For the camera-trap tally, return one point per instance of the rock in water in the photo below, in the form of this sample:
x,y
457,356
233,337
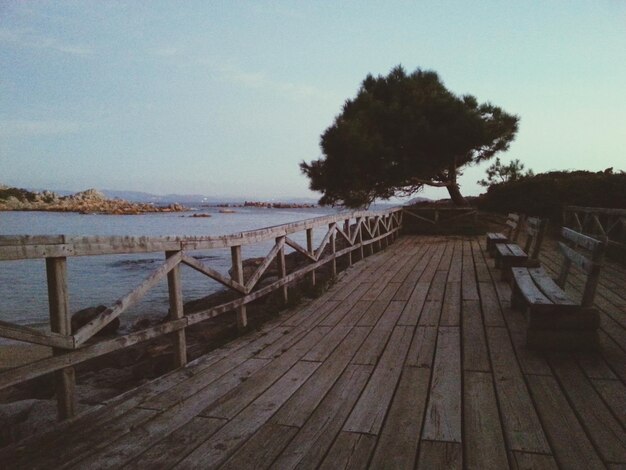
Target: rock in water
x,y
84,316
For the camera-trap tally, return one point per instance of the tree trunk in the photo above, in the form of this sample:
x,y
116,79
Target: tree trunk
x,y
456,195
453,188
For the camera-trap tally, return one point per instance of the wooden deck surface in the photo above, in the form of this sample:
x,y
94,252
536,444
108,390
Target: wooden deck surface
x,y
413,359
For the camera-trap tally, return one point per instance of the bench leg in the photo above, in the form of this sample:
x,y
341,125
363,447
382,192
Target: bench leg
x,y
517,300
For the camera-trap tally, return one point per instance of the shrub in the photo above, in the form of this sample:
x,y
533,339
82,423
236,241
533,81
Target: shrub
x,y
546,194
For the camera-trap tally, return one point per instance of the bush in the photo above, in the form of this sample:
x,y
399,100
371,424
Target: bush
x,y
546,194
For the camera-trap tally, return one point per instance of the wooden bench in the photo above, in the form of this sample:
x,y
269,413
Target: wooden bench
x,y
509,255
514,224
554,319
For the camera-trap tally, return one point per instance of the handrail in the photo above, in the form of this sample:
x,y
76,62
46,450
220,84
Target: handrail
x,y
598,221
362,229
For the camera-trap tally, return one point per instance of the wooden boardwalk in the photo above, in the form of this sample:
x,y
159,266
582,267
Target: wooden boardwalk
x,y
413,359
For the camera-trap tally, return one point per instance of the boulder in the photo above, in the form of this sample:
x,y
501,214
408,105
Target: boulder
x,y
84,316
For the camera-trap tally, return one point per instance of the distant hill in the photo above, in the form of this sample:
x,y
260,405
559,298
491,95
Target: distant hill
x,y
187,199
417,200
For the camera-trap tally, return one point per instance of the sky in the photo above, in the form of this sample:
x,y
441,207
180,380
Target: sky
x,y
226,98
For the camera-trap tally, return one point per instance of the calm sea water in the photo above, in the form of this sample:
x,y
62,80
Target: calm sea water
x,y
96,280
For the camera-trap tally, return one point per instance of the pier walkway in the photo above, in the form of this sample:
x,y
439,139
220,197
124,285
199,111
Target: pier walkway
x,y
412,359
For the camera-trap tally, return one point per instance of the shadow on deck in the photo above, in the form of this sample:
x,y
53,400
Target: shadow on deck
x,y
413,359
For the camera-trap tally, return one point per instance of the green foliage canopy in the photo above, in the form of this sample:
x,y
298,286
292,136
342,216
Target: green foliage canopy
x,y
500,173
545,194
403,131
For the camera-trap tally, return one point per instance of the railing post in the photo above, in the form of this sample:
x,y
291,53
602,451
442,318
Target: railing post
x,y
387,233
309,247
237,262
282,267
60,322
346,230
369,226
333,248
175,290
359,224
377,225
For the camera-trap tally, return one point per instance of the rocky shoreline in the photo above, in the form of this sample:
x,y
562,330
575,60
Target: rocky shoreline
x,y
90,201
266,205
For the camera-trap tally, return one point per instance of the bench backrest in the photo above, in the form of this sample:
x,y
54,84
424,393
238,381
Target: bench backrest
x,y
590,266
535,230
514,223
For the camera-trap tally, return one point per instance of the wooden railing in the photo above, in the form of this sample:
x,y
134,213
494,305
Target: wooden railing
x,y
359,231
440,215
610,223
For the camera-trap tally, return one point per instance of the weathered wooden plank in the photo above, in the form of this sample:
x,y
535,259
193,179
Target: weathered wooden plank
x,y
230,404
58,303
300,249
613,393
526,461
475,355
308,447
594,366
156,429
468,275
437,286
422,350
222,444
451,310
572,448
23,247
78,445
430,313
311,252
353,301
530,361
269,258
525,286
443,415
111,313
482,271
354,314
262,448
579,239
175,293
67,434
437,454
324,348
492,312
31,335
549,287
601,426
222,376
580,261
302,404
484,445
374,344
167,452
399,438
369,412
415,304
350,451
213,274
521,423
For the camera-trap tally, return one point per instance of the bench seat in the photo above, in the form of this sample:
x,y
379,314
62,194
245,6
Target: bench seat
x,y
509,255
555,321
494,238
